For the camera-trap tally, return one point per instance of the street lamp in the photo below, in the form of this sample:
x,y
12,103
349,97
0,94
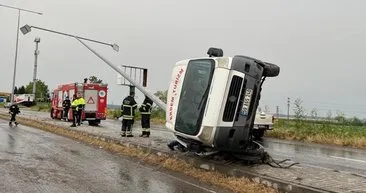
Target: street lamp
x,y
27,28
16,46
126,76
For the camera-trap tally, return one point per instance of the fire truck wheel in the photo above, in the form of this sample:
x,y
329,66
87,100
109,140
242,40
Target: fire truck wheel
x,y
270,70
93,123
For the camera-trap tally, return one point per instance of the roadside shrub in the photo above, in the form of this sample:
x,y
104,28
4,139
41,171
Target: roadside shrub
x,y
43,107
114,113
158,115
320,132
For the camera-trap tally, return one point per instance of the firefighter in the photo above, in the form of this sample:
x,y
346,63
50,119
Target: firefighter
x,y
66,105
145,110
128,108
81,105
13,111
74,106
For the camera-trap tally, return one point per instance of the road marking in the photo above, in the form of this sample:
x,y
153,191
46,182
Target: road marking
x,y
349,159
314,166
195,185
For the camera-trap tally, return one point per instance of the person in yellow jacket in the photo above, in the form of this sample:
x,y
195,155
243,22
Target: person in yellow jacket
x,y
80,107
74,108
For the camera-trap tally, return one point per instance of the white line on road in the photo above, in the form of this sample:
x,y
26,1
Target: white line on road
x,y
349,159
195,185
314,166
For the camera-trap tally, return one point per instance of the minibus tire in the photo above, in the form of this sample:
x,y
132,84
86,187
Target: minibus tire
x,y
270,70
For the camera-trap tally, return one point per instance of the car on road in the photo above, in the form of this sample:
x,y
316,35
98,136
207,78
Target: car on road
x,y
262,123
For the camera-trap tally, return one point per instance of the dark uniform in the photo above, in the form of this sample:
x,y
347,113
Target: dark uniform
x,y
128,108
13,111
66,104
145,110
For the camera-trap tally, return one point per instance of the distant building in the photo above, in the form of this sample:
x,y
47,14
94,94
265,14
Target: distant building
x,y
4,94
4,97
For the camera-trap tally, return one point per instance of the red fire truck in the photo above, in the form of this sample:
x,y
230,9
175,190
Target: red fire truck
x,y
95,95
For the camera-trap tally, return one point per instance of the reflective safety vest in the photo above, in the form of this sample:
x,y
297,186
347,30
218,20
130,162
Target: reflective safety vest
x,y
145,108
128,108
81,103
74,105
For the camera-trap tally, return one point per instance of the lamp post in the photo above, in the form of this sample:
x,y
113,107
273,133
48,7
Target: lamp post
x,y
160,103
16,45
36,52
27,28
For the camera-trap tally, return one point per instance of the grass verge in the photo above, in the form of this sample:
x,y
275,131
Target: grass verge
x,y
157,115
324,133
42,107
234,184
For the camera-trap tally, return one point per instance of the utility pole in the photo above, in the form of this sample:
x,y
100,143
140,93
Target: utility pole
x,y
277,111
16,46
36,52
288,108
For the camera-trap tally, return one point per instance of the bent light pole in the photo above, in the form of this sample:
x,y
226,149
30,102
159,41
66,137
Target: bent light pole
x,y
27,28
160,103
16,46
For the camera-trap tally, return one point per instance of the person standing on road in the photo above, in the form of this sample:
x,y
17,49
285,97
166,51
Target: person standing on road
x,y
66,104
74,106
13,111
81,105
145,110
128,108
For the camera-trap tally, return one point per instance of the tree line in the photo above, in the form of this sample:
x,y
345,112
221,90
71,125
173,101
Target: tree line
x,y
42,91
300,114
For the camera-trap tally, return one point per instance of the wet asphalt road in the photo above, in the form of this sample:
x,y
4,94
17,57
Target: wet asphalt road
x,y
329,157
32,160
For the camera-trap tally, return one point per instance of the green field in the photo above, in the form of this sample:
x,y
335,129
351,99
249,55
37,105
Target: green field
x,y
320,132
157,115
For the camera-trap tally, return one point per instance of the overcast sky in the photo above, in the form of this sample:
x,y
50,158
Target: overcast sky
x,y
317,43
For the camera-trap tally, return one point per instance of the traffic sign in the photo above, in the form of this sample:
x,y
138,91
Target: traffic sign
x,y
91,100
